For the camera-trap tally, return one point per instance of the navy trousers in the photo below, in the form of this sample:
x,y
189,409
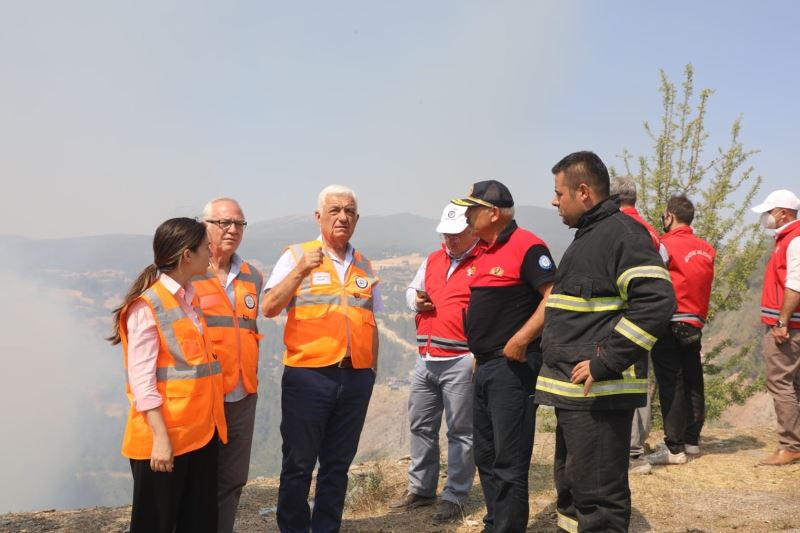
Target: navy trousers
x,y
323,412
504,422
591,470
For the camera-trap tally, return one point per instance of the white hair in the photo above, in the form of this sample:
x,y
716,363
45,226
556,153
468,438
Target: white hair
x,y
210,205
335,190
625,187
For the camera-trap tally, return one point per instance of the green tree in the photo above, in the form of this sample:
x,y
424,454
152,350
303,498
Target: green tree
x,y
722,185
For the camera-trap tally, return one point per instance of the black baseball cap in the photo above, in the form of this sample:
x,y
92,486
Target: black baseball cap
x,y
489,193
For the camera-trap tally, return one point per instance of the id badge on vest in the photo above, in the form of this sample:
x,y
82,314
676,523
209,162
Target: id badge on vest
x,y
320,278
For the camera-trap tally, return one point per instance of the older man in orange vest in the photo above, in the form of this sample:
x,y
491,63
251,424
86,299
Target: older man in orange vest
x,y
229,298
329,292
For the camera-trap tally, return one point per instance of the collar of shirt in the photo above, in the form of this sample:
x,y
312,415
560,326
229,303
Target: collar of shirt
x,y
504,235
785,227
235,268
176,289
348,254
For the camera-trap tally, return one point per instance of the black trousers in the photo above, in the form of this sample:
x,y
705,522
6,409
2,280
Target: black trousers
x,y
184,500
323,412
679,374
591,470
504,422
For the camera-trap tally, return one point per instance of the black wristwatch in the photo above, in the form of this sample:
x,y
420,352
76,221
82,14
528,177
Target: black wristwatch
x,y
780,323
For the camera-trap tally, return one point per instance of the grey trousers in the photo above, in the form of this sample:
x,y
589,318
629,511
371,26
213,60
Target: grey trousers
x,y
440,386
642,422
234,459
782,363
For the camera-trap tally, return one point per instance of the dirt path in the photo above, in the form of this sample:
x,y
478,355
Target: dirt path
x,y
720,491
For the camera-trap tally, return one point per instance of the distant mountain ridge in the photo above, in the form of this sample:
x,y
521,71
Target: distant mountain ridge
x,y
378,236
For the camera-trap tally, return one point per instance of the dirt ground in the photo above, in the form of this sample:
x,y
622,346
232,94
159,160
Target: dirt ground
x,y
722,490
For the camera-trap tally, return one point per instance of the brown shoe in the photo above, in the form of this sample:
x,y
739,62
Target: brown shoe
x,y
780,458
447,511
409,500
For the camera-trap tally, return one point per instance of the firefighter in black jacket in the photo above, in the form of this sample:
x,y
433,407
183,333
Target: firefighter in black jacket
x,y
611,300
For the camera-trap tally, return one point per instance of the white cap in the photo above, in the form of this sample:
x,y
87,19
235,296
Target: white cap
x,y
779,198
453,220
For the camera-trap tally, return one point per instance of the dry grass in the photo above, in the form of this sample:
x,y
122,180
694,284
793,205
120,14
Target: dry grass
x,y
720,491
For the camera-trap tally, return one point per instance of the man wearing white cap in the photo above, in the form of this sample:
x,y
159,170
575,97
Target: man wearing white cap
x,y
780,311
442,378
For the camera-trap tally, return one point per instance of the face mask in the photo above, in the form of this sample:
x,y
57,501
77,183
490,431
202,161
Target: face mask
x,y
768,221
666,227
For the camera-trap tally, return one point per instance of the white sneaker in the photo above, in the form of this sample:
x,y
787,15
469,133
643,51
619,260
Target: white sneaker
x,y
666,457
691,449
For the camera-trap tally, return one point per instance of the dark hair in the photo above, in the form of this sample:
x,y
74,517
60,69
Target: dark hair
x,y
172,238
681,208
584,167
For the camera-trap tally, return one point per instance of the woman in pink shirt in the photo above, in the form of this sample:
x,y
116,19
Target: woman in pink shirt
x,y
174,386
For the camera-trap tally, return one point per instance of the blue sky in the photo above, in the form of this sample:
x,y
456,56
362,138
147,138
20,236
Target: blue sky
x,y
115,116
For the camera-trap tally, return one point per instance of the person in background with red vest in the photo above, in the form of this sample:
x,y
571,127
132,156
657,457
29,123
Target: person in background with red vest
x,y
511,282
780,312
330,294
228,294
174,386
676,355
624,187
442,378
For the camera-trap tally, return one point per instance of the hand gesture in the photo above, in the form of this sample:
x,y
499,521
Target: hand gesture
x,y
582,374
423,302
311,259
515,351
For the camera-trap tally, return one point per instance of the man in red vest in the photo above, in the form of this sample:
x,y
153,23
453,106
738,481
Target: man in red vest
x,y
442,378
780,311
625,188
676,355
229,294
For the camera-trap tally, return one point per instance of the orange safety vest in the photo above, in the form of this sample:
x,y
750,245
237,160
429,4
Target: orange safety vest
x,y
188,378
235,341
328,319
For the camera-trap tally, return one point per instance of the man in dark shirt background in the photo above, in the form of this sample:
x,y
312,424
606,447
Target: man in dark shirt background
x,y
503,324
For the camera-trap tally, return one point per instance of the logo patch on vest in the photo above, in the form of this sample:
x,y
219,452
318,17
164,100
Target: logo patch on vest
x,y
471,270
361,283
497,271
250,301
545,263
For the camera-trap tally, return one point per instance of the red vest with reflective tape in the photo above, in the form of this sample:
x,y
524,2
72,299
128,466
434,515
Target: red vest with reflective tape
x,y
441,332
329,319
188,378
634,214
232,330
775,279
691,267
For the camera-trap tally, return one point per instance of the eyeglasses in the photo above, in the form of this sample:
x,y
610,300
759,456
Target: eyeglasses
x,y
225,223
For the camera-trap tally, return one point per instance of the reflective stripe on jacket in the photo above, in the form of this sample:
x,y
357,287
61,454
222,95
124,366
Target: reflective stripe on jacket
x,y
328,319
235,341
611,299
441,332
188,378
775,279
691,267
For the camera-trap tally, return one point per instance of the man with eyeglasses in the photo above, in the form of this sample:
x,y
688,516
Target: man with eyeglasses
x,y
330,294
229,298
